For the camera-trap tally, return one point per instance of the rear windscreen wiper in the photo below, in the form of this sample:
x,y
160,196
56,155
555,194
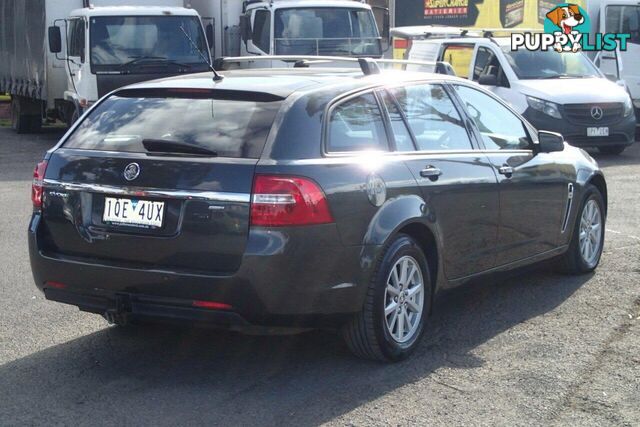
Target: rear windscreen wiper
x,y
168,146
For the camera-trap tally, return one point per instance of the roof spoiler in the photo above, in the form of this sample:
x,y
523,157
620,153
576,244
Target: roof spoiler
x,y
368,66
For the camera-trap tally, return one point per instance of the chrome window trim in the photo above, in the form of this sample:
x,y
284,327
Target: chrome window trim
x,y
213,196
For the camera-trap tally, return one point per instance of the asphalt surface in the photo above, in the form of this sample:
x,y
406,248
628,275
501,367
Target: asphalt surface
x,y
540,348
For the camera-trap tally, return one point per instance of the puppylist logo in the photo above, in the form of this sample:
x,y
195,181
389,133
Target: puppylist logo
x,y
566,29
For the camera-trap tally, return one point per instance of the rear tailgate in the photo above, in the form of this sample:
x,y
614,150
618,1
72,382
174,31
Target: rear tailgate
x,y
180,211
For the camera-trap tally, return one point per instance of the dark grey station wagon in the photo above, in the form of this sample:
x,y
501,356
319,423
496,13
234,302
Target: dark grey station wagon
x,y
304,197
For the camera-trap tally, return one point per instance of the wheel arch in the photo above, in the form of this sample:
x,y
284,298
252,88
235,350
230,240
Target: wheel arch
x,y
598,181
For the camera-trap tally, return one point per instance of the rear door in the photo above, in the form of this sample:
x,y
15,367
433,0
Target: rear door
x,y
158,180
457,182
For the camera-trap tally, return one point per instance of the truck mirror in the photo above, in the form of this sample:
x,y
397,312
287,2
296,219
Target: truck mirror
x,y
245,28
386,25
55,39
209,34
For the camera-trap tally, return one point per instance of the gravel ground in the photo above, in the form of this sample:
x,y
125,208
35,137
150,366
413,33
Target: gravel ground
x,y
539,348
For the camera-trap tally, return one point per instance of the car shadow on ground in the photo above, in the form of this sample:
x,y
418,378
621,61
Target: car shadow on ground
x,y
176,375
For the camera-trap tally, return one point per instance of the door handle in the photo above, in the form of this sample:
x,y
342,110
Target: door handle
x,y
430,172
506,170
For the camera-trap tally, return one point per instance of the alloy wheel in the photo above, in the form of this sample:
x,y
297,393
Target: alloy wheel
x,y
590,233
404,299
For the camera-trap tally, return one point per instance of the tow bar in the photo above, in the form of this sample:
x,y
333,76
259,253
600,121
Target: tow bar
x,y
119,314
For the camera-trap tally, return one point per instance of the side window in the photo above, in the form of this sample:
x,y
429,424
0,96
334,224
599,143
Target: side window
x,y
76,38
399,128
433,118
459,56
484,58
500,128
356,125
262,30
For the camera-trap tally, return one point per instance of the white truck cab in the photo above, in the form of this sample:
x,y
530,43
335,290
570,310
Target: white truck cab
x,y
560,92
292,27
105,48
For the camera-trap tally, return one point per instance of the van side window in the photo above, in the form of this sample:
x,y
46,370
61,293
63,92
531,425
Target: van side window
x,y
500,128
76,38
459,56
433,118
356,125
484,57
262,30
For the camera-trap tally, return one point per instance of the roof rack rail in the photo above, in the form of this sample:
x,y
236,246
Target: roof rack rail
x,y
367,65
443,31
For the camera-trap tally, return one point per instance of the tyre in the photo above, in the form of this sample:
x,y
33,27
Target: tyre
x,y
20,122
73,116
612,149
587,241
396,306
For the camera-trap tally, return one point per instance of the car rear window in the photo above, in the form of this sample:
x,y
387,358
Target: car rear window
x,y
231,126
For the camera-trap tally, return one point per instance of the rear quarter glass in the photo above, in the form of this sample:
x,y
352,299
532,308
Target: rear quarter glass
x,y
230,124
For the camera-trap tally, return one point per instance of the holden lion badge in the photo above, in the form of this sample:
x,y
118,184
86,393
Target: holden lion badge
x,y
132,171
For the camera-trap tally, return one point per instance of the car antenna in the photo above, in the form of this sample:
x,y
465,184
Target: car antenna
x,y
216,77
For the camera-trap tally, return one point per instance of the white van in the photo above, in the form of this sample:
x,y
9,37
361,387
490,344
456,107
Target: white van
x,y
564,92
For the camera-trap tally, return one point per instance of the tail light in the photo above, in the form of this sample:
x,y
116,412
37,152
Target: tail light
x,y
280,200
211,305
37,185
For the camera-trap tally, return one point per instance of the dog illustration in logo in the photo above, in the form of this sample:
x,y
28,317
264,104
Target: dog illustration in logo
x,y
566,18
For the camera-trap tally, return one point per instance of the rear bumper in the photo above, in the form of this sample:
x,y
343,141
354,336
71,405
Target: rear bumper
x,y
292,277
621,132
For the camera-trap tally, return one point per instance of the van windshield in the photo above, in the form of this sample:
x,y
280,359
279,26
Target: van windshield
x,y
326,31
127,43
549,64
222,127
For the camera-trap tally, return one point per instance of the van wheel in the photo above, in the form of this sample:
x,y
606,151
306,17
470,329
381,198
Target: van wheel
x,y
587,240
612,149
396,306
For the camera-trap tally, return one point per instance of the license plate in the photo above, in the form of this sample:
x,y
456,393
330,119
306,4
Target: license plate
x,y
603,131
139,213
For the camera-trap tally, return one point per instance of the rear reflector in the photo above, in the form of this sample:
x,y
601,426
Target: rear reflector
x,y
56,285
279,200
212,305
36,185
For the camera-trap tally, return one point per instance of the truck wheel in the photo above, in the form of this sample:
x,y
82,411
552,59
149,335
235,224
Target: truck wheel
x,y
587,240
19,122
72,116
22,118
612,149
396,306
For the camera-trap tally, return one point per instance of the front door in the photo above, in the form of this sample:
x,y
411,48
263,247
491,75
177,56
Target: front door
x,y
456,181
533,186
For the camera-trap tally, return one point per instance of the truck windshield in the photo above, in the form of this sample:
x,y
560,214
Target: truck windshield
x,y
549,64
136,42
326,31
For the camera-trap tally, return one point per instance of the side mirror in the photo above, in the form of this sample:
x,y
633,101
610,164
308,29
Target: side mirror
x,y
55,40
488,80
209,34
549,142
245,28
385,32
